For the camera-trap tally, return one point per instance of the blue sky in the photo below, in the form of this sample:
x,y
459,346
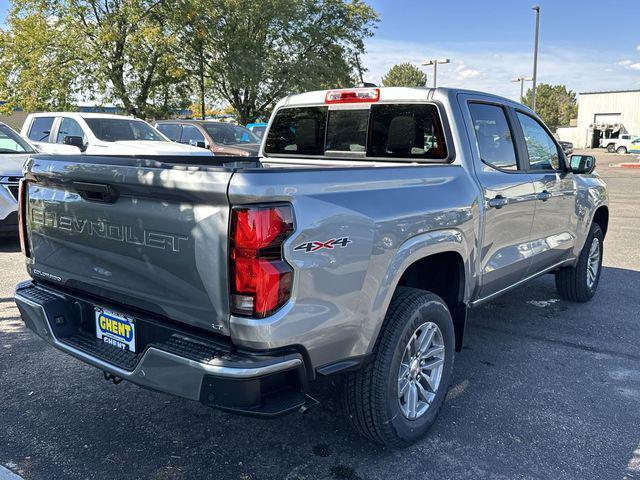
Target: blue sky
x,y
585,44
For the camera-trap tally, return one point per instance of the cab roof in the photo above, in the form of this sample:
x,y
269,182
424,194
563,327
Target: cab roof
x,y
387,94
83,115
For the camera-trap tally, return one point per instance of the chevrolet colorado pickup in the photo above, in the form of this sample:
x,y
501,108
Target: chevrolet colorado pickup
x,y
354,245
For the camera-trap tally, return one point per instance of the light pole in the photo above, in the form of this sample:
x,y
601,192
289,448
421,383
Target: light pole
x,y
435,63
522,80
535,59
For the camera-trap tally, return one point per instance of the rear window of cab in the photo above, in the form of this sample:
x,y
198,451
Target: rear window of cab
x,y
393,131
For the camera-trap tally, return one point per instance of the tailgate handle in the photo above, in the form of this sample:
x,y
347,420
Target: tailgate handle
x,y
96,192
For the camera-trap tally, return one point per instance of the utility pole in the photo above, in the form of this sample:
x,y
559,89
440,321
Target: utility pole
x,y
435,63
535,59
522,80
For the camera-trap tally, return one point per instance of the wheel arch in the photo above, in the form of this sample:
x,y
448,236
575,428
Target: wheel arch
x,y
438,263
601,217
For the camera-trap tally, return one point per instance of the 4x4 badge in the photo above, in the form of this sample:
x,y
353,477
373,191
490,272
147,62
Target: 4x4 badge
x,y
329,244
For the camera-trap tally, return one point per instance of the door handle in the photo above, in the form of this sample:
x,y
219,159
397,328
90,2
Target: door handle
x,y
498,202
544,196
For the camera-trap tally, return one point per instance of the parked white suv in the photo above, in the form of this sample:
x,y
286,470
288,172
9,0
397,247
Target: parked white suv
x,y
619,145
100,134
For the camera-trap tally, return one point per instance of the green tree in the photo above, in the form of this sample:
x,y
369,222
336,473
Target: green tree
x,y
260,51
123,51
38,66
132,51
555,104
404,75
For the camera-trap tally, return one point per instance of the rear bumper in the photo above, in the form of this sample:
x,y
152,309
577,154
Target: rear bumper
x,y
180,364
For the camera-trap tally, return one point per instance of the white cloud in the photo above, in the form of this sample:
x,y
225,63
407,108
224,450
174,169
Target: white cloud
x,y
624,63
639,48
464,72
490,66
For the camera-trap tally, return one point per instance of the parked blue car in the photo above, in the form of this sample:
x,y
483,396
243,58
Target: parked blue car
x,y
257,128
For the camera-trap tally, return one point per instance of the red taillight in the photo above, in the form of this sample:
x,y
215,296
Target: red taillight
x,y
22,217
260,277
353,96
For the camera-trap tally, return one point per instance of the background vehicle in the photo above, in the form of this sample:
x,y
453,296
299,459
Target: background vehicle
x,y
356,244
619,145
221,138
99,134
634,147
13,152
258,128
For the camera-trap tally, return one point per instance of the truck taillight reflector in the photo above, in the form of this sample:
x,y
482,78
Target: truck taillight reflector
x,y
358,95
22,217
260,277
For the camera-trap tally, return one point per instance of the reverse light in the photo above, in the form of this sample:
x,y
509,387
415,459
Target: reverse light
x,y
260,278
358,95
22,217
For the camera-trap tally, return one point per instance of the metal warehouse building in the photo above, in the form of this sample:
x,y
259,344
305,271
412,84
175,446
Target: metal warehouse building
x,y
603,115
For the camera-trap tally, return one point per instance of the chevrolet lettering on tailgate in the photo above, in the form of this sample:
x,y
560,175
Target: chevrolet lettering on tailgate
x,y
111,231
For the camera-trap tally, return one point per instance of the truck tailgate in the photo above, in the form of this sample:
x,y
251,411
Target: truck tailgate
x,y
136,233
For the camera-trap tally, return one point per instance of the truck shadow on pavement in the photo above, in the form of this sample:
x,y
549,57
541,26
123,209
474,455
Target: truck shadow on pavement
x,y
543,389
9,244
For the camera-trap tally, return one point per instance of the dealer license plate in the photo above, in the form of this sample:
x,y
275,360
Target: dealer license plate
x,y
115,329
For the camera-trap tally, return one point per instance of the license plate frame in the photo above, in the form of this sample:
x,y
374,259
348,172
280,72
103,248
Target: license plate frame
x,y
115,329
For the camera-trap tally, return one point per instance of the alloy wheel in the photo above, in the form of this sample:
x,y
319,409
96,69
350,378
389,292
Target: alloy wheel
x,y
593,263
420,370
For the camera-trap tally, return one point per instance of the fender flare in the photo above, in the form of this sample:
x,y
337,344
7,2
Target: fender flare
x,y
412,250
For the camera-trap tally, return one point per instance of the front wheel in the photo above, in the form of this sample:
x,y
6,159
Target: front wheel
x,y
579,283
396,398
622,150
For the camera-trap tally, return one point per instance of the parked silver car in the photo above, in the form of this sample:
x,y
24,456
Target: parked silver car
x,y
13,152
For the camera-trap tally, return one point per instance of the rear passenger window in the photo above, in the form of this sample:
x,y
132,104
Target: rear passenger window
x,y
298,131
406,131
41,129
493,135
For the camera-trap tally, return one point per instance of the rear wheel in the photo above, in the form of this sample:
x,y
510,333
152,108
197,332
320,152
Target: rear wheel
x,y
396,398
611,148
579,283
621,150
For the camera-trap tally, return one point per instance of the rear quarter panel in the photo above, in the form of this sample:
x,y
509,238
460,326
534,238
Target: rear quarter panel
x,y
392,217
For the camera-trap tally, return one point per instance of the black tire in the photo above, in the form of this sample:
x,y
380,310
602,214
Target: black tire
x,y
611,148
370,395
622,150
571,282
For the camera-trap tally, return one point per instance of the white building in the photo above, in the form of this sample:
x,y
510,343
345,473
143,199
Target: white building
x,y
603,115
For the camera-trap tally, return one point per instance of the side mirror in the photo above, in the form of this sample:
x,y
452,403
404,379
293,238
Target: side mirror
x,y
199,144
75,142
582,163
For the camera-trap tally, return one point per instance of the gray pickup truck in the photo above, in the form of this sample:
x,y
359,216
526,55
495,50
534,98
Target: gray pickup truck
x,y
354,245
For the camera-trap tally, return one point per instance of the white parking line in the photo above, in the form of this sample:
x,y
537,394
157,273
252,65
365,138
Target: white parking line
x,y
6,474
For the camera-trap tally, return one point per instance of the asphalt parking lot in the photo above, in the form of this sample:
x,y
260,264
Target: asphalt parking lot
x,y
542,389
